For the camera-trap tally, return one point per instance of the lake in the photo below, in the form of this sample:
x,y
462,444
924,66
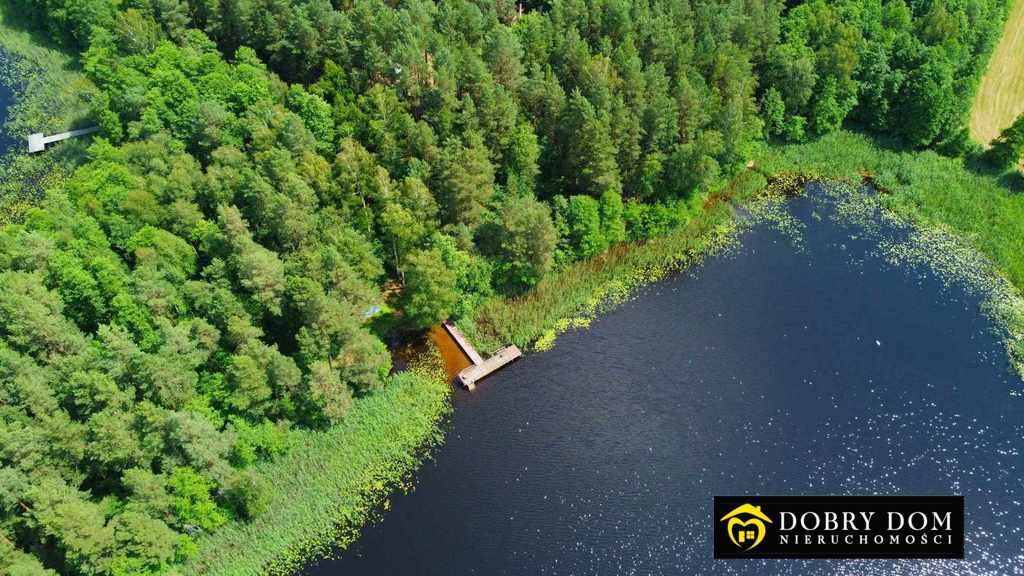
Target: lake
x,y
799,362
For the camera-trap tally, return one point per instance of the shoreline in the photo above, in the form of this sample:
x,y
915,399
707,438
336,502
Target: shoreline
x,y
316,513
620,271
49,95
300,534
332,472
331,484
970,216
559,304
573,296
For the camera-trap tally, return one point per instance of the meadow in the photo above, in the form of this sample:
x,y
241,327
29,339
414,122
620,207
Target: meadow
x,y
1000,96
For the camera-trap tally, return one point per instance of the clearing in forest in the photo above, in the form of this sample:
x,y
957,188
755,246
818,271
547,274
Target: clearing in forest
x,y
1000,97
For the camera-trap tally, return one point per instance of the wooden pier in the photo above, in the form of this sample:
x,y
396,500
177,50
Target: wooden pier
x,y
463,343
37,142
480,368
469,376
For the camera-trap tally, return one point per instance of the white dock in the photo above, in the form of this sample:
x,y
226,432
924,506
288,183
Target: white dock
x,y
480,368
37,142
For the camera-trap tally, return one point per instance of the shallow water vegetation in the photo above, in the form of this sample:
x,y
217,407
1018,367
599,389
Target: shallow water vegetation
x,y
967,226
52,95
569,298
769,207
259,182
949,237
923,187
942,252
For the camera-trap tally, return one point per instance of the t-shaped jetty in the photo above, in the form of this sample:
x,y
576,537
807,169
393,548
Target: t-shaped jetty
x,y
480,368
37,142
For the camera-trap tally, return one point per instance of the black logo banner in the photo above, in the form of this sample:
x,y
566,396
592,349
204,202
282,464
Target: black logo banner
x,y
839,526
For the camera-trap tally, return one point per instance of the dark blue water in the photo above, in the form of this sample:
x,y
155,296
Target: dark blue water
x,y
774,369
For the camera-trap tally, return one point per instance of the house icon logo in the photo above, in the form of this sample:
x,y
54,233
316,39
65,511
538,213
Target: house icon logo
x,y
745,526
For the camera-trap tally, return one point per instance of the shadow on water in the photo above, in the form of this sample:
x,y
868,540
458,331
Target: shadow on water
x,y
453,356
794,364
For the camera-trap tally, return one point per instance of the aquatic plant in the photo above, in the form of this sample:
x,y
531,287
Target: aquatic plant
x,y
965,226
769,208
943,253
50,95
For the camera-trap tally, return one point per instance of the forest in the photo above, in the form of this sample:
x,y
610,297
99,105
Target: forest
x,y
276,180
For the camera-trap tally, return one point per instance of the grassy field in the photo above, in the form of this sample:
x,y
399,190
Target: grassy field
x,y
327,487
1000,97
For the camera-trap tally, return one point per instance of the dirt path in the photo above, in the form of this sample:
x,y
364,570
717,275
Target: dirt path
x,y
1000,97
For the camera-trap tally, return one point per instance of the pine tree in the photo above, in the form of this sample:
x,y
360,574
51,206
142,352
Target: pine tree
x,y
589,156
466,181
526,242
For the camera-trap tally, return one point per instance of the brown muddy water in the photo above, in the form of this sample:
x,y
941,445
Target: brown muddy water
x,y
454,359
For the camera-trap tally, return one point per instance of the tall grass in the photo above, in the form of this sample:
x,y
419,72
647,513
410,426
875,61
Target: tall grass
x,y
571,296
924,187
326,488
56,92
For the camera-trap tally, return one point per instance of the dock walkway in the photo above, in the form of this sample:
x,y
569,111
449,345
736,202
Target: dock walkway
x,y
463,343
37,142
480,368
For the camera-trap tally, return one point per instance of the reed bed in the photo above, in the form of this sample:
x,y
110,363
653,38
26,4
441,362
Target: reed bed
x,y
332,482
923,187
51,95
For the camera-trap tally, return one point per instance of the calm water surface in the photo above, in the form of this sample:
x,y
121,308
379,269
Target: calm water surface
x,y
779,368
